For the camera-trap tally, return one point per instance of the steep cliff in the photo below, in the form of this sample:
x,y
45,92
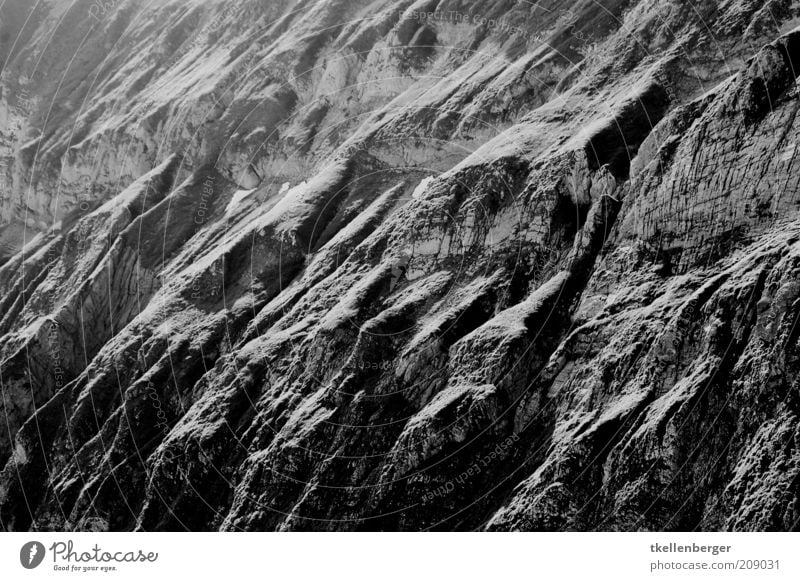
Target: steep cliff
x,y
369,265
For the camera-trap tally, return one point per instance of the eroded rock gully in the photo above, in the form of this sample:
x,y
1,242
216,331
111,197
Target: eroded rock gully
x,y
372,266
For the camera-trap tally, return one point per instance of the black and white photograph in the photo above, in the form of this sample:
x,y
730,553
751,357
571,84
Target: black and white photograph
x,y
521,278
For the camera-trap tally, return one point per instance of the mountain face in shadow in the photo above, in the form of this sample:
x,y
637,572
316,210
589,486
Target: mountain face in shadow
x,y
415,265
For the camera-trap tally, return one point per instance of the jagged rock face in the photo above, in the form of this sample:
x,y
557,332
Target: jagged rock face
x,y
351,265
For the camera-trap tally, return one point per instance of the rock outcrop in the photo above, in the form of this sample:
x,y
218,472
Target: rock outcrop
x,y
422,265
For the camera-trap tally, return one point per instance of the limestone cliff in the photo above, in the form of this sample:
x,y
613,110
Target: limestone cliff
x,y
370,265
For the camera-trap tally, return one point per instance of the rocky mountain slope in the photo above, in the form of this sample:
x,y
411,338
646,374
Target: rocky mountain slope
x,y
413,265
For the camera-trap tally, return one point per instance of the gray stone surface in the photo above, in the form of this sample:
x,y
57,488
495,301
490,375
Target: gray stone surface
x,y
336,265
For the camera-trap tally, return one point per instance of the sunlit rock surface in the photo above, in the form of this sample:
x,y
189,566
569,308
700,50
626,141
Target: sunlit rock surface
x,y
352,265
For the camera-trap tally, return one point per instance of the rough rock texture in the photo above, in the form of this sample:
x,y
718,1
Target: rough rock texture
x,y
370,265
